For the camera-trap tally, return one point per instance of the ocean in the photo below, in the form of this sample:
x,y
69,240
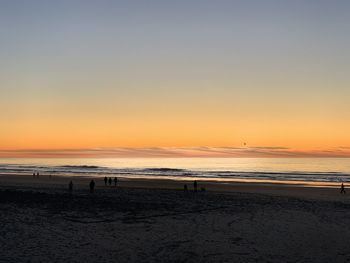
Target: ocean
x,y
282,170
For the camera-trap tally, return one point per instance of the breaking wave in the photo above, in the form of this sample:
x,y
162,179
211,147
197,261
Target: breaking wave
x,y
93,170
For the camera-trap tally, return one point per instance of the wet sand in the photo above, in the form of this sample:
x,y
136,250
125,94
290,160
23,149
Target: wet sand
x,y
155,221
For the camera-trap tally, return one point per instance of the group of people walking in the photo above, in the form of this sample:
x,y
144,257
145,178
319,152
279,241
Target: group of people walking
x,y
36,175
92,184
109,181
195,187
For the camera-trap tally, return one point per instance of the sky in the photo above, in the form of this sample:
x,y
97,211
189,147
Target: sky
x,y
180,76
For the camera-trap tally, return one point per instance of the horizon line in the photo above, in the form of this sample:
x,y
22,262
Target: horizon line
x,y
178,152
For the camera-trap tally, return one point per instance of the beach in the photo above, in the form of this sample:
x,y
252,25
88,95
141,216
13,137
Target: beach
x,y
156,221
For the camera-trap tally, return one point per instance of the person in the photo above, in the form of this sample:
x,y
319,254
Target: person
x,y
110,181
34,175
92,186
37,174
195,186
70,186
185,188
105,180
342,188
115,181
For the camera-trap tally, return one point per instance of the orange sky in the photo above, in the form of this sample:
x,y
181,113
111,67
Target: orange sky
x,y
211,118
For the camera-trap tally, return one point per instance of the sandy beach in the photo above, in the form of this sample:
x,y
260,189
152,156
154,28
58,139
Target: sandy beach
x,y
156,221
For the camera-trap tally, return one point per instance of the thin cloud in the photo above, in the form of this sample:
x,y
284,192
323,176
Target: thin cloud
x,y
174,152
271,148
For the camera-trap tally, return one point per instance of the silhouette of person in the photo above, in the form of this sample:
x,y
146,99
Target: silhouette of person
x,y
185,188
110,181
34,175
195,186
105,180
37,174
342,188
92,186
115,181
70,186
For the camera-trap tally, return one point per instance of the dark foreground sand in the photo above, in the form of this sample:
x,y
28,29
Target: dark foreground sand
x,y
139,222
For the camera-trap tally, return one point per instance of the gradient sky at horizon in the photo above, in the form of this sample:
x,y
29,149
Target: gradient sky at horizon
x,y
84,74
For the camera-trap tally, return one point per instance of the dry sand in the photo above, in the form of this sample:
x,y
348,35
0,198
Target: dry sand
x,y
155,221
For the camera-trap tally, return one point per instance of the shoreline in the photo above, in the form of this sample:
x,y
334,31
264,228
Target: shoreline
x,y
60,183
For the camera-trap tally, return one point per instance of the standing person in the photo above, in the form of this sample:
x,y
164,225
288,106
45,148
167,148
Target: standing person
x,y
195,186
105,180
34,175
92,186
110,181
185,188
115,181
70,187
342,188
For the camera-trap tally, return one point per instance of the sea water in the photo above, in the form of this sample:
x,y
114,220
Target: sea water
x,y
319,170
